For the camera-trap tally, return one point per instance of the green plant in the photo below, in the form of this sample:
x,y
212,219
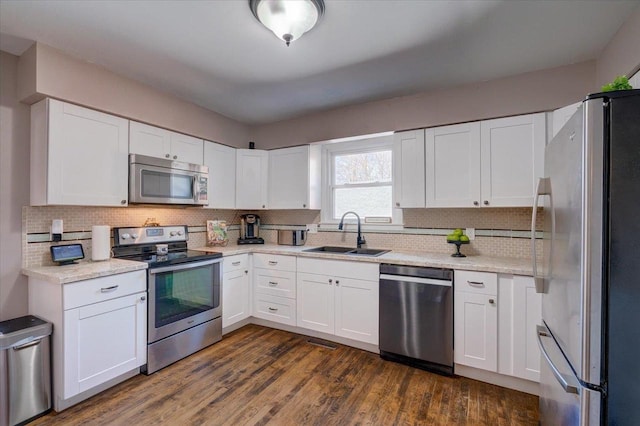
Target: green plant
x,y
619,83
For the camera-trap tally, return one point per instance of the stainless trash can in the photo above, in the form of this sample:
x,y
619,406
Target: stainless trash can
x,y
25,369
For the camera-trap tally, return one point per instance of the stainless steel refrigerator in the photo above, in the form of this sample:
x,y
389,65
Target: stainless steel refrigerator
x,y
589,274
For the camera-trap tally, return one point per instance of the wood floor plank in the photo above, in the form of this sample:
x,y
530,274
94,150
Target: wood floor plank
x,y
259,376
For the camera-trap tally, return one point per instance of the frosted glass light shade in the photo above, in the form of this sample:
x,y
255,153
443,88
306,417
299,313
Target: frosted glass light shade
x,y
288,19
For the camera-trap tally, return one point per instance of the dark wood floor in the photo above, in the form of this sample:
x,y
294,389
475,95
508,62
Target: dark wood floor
x,y
258,375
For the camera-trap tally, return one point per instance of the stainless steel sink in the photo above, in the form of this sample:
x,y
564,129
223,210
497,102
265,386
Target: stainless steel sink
x,y
347,250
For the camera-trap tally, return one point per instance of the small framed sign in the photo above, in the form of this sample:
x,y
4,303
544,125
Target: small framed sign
x,y
67,254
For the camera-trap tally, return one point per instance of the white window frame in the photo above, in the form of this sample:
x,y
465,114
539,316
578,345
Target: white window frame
x,y
358,146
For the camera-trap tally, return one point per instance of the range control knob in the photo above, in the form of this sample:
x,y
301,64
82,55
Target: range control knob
x,y
125,236
180,233
173,233
135,236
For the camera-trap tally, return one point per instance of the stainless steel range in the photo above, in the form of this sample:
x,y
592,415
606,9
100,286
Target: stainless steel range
x,y
184,286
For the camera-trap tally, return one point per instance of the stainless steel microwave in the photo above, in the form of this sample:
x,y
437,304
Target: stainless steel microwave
x,y
159,181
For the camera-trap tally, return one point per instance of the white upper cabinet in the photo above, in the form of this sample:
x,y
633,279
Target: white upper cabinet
x,y
161,143
512,159
221,161
560,116
78,156
252,176
453,165
294,178
408,169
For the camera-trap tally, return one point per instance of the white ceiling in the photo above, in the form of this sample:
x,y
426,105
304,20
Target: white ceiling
x,y
215,54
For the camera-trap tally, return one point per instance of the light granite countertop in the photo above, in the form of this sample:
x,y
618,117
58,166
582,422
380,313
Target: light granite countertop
x,y
83,270
88,269
503,265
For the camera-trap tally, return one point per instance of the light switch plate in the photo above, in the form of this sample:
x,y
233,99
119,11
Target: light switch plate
x,y
312,228
471,233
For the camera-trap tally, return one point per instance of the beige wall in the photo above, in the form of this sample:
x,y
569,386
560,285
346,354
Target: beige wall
x,y
521,94
45,71
621,56
14,189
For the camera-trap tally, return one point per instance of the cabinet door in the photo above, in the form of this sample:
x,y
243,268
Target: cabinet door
x,y
251,178
315,302
408,169
87,163
221,161
186,148
103,341
149,140
357,309
476,330
235,296
527,309
289,178
512,159
453,166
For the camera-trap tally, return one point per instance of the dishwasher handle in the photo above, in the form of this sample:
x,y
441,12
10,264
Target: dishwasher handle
x,y
430,281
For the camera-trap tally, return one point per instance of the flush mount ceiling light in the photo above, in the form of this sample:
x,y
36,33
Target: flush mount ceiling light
x,y
288,19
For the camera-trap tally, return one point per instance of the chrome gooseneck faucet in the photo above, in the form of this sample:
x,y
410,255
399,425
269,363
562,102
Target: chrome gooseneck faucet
x,y
361,239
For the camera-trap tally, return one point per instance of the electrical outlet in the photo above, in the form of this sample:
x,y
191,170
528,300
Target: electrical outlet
x,y
471,233
312,228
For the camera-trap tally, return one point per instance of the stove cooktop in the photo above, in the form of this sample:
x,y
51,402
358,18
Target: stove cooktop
x,y
171,258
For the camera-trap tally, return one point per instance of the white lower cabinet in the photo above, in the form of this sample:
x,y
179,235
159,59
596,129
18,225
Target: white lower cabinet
x,y
274,288
103,340
520,313
235,289
99,331
495,317
344,303
476,320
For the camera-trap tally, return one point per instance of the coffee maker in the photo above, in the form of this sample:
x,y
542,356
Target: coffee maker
x,y
250,229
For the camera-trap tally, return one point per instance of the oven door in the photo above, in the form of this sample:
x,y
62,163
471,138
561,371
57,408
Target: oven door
x,y
160,185
183,296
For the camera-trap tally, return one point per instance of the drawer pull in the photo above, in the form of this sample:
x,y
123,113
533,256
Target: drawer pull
x,y
273,262
273,283
492,301
273,309
476,283
235,263
108,289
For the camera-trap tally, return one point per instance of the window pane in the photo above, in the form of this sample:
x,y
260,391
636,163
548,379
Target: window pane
x,y
363,168
374,201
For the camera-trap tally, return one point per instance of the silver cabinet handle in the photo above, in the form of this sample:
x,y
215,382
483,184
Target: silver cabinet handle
x,y
304,205
486,203
273,262
175,157
108,289
273,309
541,332
337,282
246,272
123,202
27,345
492,301
167,156
235,263
475,203
143,298
330,281
476,283
273,283
397,204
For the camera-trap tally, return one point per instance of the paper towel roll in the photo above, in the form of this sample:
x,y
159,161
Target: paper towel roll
x,y
100,242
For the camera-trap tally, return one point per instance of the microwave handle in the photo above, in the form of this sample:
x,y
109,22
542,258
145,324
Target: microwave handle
x,y
194,187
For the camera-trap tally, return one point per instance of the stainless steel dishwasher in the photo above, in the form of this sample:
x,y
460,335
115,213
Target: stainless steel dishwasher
x,y
416,316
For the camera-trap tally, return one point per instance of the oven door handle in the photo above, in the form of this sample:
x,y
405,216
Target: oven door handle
x,y
181,266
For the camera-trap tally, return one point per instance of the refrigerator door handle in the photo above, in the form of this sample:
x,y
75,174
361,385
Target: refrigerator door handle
x,y
543,188
569,384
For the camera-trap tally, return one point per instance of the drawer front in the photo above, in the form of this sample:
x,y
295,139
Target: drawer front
x,y
338,268
274,308
276,283
274,261
96,290
235,263
476,282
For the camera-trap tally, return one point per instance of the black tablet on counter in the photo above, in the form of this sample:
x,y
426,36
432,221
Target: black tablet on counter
x,y
67,254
